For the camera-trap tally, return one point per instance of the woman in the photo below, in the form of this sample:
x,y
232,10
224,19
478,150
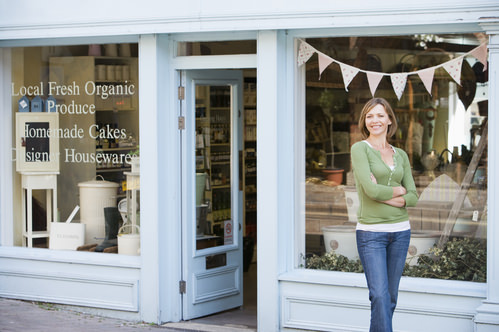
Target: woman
x,y
385,187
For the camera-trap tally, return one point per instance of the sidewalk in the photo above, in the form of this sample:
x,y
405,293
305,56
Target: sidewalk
x,y
27,316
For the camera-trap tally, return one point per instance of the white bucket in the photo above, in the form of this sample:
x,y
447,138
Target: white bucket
x,y
421,242
342,240
129,243
66,236
352,201
95,195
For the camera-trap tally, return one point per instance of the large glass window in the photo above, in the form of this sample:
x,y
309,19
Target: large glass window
x,y
76,136
443,133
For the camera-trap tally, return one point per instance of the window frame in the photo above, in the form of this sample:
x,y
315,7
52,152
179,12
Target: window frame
x,y
296,271
7,164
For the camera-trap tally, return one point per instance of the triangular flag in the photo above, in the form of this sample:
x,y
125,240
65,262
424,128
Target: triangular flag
x,y
348,73
373,78
324,61
481,54
453,67
426,76
304,53
399,81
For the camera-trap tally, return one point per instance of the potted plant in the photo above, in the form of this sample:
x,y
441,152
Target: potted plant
x,y
135,160
333,173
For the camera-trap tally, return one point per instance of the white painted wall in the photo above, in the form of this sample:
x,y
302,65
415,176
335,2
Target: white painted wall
x,y
57,18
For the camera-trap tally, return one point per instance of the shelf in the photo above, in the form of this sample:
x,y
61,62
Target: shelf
x,y
114,58
116,149
111,169
224,186
37,234
115,110
326,85
114,82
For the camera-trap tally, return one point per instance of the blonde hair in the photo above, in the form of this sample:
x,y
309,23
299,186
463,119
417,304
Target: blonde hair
x,y
392,129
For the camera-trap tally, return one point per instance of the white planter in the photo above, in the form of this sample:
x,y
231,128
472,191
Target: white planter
x,y
421,242
135,163
129,240
352,201
342,240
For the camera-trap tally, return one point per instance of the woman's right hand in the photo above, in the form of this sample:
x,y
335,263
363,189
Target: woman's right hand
x,y
399,191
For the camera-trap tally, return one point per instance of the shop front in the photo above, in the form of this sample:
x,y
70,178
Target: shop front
x,y
134,151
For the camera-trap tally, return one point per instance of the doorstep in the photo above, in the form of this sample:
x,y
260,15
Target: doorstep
x,y
190,326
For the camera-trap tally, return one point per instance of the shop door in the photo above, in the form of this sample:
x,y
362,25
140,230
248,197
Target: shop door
x,y
211,198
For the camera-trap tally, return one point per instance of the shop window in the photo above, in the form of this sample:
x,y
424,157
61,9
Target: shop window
x,y
216,47
443,133
76,136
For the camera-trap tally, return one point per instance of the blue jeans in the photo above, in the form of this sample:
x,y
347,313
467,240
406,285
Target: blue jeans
x,y
383,256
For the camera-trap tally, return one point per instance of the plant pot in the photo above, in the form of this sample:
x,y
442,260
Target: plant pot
x,y
421,242
135,164
341,239
334,175
352,201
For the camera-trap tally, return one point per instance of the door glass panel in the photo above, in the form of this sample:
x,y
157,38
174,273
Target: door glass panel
x,y
214,226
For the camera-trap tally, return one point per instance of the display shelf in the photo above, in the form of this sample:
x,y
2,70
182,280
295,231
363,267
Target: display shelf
x,y
213,151
116,149
31,181
112,169
249,157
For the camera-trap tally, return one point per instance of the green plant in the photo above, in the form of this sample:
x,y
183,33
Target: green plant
x,y
332,262
135,152
459,259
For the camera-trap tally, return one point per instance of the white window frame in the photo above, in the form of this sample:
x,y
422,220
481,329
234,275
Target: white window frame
x,y
296,271
7,167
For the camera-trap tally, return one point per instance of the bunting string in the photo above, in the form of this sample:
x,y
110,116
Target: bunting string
x,y
398,80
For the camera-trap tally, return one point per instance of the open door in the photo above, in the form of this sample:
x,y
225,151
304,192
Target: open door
x,y
212,270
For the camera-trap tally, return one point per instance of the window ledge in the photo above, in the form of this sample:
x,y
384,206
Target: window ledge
x,y
73,257
407,284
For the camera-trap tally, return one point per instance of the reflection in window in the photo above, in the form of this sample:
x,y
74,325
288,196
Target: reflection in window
x,y
78,177
441,132
216,48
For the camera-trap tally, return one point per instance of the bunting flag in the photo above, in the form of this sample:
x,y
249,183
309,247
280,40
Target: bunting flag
x,y
348,73
304,53
399,80
426,76
454,67
480,53
324,62
373,78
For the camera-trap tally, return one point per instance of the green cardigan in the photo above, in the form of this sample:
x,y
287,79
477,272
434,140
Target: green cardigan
x,y
366,160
